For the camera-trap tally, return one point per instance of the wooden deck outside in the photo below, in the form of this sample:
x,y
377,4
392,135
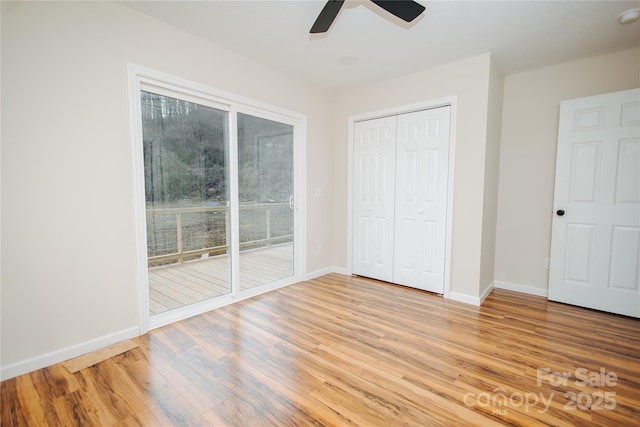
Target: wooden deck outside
x,y
176,285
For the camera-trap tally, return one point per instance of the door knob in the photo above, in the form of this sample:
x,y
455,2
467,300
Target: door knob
x,y
560,212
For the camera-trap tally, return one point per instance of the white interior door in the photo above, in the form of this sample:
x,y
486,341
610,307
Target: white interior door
x,y
421,199
595,246
374,155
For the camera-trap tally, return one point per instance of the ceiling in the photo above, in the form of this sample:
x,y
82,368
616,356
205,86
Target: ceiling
x,y
522,35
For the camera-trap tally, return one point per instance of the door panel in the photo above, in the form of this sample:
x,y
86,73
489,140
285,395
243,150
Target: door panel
x,y
625,258
628,179
578,253
374,170
430,185
185,152
265,188
585,166
595,247
429,235
421,194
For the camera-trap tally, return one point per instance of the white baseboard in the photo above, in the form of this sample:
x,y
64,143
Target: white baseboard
x,y
467,299
340,270
318,273
470,299
323,271
456,296
521,288
48,359
486,292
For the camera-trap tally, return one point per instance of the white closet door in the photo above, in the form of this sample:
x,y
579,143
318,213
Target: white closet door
x,y
422,160
595,243
374,155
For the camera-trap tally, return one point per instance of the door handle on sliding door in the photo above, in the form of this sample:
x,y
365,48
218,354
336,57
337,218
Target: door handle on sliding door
x,y
291,202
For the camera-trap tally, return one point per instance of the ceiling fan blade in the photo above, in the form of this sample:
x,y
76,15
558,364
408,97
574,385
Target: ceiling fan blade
x,y
406,10
326,17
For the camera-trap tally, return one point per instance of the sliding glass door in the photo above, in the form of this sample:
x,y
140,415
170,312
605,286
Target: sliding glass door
x,y
219,214
265,190
187,201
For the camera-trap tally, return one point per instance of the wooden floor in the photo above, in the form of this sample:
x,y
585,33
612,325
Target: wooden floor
x,y
342,351
177,285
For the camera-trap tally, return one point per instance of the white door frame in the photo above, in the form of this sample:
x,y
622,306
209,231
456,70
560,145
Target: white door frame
x,y
187,89
451,101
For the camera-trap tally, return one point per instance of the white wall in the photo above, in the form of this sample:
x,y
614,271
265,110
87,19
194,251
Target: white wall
x,y
68,262
469,81
491,172
528,153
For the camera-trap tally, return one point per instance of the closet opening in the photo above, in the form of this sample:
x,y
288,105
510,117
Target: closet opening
x,y
401,185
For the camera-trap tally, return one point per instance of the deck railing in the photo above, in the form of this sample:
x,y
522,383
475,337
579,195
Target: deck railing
x,y
219,234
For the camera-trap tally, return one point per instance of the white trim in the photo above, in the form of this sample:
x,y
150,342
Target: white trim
x,y
403,109
467,299
319,273
340,270
470,299
268,287
451,101
167,90
175,86
531,290
300,197
486,292
456,296
66,353
191,310
234,208
139,208
171,82
351,123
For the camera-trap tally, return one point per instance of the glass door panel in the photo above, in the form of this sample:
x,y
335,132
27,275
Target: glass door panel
x,y
187,201
265,191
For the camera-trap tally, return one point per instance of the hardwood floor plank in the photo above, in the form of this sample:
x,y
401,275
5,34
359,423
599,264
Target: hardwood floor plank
x,y
112,386
349,351
162,399
13,414
271,371
75,411
81,362
36,414
187,381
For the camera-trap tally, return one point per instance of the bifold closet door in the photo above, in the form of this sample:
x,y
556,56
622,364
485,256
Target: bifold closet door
x,y
400,180
374,155
422,160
